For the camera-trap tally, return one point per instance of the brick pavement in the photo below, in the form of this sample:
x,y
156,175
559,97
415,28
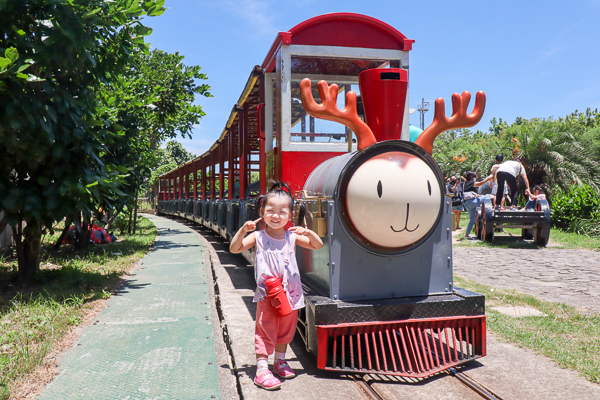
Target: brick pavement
x,y
557,275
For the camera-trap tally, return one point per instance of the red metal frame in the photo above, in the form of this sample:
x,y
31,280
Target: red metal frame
x,y
242,150
342,30
297,166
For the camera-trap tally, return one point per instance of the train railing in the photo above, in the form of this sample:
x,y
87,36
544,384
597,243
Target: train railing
x,y
411,348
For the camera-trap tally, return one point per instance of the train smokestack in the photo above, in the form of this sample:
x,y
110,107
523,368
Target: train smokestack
x,y
383,93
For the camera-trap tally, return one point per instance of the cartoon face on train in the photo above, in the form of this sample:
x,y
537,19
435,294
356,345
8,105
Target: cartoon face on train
x,y
392,199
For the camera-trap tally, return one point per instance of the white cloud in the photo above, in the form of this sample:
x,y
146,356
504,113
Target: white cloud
x,y
563,36
550,53
257,13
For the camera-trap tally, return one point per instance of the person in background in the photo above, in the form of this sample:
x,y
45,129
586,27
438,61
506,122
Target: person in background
x,y
538,194
472,199
494,182
507,175
455,187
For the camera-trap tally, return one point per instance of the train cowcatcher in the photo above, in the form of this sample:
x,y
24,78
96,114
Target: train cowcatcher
x,y
380,295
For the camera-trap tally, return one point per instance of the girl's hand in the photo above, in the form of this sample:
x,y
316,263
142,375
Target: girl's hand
x,y
250,226
298,230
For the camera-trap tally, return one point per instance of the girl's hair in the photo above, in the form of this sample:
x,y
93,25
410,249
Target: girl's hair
x,y
282,189
470,176
278,189
538,188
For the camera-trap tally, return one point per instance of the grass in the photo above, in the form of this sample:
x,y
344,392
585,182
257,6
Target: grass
x,y
33,318
566,335
567,240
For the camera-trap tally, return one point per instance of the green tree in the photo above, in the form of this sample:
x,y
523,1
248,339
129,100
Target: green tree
x,y
578,123
555,153
552,155
59,52
151,102
497,126
174,152
590,140
458,151
173,155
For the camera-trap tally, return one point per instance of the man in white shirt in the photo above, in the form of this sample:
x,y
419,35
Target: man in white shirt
x,y
499,160
508,172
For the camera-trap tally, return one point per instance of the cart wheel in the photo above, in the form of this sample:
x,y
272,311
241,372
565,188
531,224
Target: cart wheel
x,y
543,231
541,239
487,214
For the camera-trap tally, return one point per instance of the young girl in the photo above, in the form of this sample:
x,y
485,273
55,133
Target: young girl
x,y
275,257
538,194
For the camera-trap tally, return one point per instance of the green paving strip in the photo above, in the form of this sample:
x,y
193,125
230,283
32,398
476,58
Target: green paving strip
x,y
155,338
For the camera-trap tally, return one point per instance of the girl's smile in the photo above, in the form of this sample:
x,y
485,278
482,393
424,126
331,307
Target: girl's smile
x,y
276,212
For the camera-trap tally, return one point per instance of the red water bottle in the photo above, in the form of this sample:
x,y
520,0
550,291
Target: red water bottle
x,y
276,294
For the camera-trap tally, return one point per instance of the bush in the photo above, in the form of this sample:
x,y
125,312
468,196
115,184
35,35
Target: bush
x,y
121,223
585,227
577,210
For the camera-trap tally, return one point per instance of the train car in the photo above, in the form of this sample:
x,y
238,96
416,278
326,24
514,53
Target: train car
x,y
380,295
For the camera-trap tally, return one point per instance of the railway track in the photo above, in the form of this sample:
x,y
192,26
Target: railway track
x,y
368,391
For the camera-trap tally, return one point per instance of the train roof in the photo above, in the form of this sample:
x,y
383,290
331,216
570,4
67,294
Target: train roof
x,y
333,29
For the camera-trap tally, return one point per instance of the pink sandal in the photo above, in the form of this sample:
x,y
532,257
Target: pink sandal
x,y
283,369
265,379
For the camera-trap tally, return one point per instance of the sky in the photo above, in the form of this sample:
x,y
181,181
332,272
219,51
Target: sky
x,y
531,58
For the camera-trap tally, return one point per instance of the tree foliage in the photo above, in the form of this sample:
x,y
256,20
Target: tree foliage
x,y
555,153
173,155
52,142
151,102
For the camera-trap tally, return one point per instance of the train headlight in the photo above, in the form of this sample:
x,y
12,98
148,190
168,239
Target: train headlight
x,y
391,198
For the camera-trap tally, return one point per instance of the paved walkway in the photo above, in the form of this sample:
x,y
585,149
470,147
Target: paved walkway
x,y
155,338
557,275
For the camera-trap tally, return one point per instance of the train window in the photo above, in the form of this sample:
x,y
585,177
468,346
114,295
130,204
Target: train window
x,y
306,128
341,71
334,66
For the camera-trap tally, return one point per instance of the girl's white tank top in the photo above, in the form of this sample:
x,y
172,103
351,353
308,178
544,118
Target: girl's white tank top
x,y
277,257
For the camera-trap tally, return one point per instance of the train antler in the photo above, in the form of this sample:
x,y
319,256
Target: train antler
x,y
459,118
328,110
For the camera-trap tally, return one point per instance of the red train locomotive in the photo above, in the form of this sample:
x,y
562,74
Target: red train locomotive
x,y
380,294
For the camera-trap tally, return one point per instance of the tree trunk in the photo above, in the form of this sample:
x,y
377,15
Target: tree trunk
x,y
28,250
129,225
111,219
137,193
62,235
3,224
84,236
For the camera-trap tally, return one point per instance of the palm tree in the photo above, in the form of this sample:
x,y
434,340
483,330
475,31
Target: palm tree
x,y
551,155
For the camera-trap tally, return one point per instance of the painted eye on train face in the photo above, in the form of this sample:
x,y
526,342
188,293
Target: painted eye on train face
x,y
391,200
